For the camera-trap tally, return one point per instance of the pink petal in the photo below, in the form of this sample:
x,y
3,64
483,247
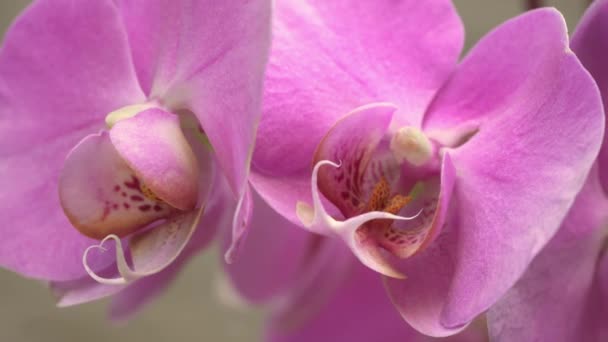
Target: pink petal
x,y
539,126
154,147
324,274
590,44
100,193
602,271
357,311
58,79
283,193
330,57
293,278
274,258
559,297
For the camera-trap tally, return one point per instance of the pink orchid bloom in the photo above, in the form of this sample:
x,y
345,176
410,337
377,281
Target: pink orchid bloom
x,y
563,296
130,121
452,175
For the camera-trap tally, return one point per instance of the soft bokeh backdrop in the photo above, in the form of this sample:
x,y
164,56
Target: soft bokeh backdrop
x,y
191,310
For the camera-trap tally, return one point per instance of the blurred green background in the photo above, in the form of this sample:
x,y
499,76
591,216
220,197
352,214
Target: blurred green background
x,y
191,310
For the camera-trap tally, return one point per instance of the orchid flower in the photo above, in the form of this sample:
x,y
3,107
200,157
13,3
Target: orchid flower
x,y
130,121
452,175
563,296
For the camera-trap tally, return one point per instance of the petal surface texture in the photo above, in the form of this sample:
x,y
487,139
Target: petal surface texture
x,y
360,299
538,126
267,269
63,66
576,308
590,43
560,296
330,57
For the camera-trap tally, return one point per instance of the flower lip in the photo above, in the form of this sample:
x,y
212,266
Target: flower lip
x,y
101,195
351,142
392,188
112,188
317,220
151,250
140,171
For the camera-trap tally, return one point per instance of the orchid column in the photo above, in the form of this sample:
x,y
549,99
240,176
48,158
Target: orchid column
x,y
126,120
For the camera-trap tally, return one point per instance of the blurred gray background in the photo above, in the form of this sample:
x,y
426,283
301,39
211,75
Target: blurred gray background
x,y
191,309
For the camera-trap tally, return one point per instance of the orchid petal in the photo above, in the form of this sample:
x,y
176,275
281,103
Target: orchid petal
x,y
329,57
292,278
100,194
322,275
590,45
63,66
555,299
151,251
284,193
268,270
602,285
539,126
154,147
360,297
